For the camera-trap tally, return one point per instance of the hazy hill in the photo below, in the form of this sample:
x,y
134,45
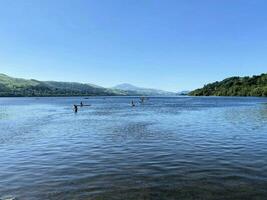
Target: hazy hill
x,y
185,92
235,86
10,86
131,89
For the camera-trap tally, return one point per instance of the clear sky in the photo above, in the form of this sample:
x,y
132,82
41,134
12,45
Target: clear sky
x,y
167,44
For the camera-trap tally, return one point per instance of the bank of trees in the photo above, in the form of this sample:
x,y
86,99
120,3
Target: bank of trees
x,y
235,86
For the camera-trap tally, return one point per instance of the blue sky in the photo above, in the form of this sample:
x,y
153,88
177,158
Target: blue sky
x,y
168,44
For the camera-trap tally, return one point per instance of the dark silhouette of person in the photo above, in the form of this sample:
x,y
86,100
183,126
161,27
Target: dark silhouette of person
x,y
75,107
81,104
133,104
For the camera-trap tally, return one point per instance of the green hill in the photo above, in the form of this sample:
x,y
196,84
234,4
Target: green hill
x,y
235,86
10,86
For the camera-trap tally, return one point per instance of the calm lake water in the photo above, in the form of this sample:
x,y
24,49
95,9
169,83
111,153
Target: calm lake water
x,y
202,148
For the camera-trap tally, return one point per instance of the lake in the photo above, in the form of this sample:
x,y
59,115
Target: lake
x,y
201,148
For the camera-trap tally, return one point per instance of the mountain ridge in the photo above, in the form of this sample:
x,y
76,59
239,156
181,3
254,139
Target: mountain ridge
x,y
19,87
140,90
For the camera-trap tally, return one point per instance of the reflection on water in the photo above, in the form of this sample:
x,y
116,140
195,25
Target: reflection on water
x,y
167,148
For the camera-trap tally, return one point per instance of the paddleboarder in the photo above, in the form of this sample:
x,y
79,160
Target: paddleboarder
x,y
75,107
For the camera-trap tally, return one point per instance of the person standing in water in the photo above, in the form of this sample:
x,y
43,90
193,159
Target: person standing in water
x,y
81,104
133,103
75,107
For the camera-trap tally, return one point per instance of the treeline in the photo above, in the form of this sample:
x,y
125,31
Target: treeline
x,y
235,86
46,91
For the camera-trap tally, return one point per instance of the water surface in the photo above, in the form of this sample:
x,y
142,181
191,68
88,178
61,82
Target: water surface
x,y
167,148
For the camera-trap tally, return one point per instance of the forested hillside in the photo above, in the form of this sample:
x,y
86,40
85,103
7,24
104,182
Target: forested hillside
x,y
10,86
235,86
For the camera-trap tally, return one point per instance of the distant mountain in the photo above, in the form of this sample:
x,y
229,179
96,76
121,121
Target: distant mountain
x,y
127,86
10,86
134,90
235,86
186,92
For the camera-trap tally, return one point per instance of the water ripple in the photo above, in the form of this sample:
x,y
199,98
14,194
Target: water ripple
x,y
168,148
